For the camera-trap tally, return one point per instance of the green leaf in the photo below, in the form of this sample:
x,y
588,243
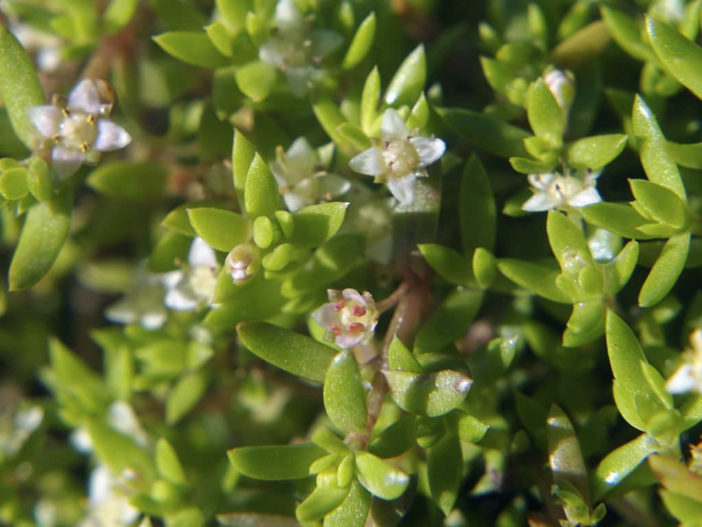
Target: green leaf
x,y
13,183
315,224
167,462
344,394
319,503
118,14
408,81
39,180
619,218
186,518
171,248
260,189
486,132
535,277
256,80
449,264
430,394
402,359
353,511
449,320
221,229
44,232
193,47
243,153
545,116
361,43
627,34
184,396
380,478
618,271
471,429
221,38
395,439
596,151
132,180
233,13
683,508
660,203
444,469
419,116
657,164
567,242
370,98
290,351
678,56
625,353
19,86
330,118
676,477
665,272
585,324
354,136
620,463
687,155
484,267
275,463
564,455
477,211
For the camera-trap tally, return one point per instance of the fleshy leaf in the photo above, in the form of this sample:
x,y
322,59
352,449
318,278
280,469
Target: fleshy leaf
x,y
344,395
132,180
193,47
167,462
565,457
659,203
430,394
477,211
353,511
449,320
666,270
184,396
256,80
535,277
221,229
408,81
320,502
290,351
361,43
444,468
545,116
567,242
274,463
450,264
315,224
44,232
260,189
370,98
596,151
620,463
380,478
619,218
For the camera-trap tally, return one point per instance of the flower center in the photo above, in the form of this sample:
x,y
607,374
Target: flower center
x,y
78,131
400,157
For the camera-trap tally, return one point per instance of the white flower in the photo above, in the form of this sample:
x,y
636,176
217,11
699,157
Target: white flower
x,y
294,47
243,262
143,304
350,317
554,191
45,45
194,286
399,157
688,377
108,503
79,130
561,86
298,181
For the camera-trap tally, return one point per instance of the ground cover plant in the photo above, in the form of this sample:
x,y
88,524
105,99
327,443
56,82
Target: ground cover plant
x,y
351,263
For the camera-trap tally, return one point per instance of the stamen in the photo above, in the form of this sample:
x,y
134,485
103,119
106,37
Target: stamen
x,y
357,327
339,305
359,311
335,328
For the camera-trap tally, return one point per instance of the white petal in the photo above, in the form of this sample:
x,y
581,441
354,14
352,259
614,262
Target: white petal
x,y
86,97
100,484
325,315
402,189
298,79
46,119
682,381
369,162
347,341
287,15
353,295
539,202
333,184
585,197
110,136
152,321
295,202
301,153
324,42
66,161
201,254
542,181
392,125
172,278
429,149
180,300
122,312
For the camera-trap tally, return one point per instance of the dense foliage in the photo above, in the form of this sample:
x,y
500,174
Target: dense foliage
x,y
214,316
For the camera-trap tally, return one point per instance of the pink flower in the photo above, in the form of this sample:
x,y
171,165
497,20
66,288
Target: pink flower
x,y
349,317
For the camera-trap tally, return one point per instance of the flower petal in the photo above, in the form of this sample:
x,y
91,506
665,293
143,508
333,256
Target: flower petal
x,y
46,119
325,315
429,149
331,184
86,97
542,181
347,340
201,254
585,197
324,42
402,189
110,136
682,381
392,125
180,299
539,202
294,201
66,161
369,162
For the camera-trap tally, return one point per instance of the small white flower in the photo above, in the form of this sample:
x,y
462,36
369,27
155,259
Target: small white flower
x,y
399,157
78,130
243,262
188,289
561,86
298,181
108,503
143,304
688,377
295,48
45,45
349,317
554,191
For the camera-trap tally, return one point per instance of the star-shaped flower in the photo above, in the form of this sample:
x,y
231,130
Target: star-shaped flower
x,y
193,286
299,182
349,317
554,191
295,48
399,157
78,130
688,377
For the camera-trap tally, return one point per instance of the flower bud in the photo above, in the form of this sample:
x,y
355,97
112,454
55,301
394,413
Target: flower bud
x,y
561,86
242,262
